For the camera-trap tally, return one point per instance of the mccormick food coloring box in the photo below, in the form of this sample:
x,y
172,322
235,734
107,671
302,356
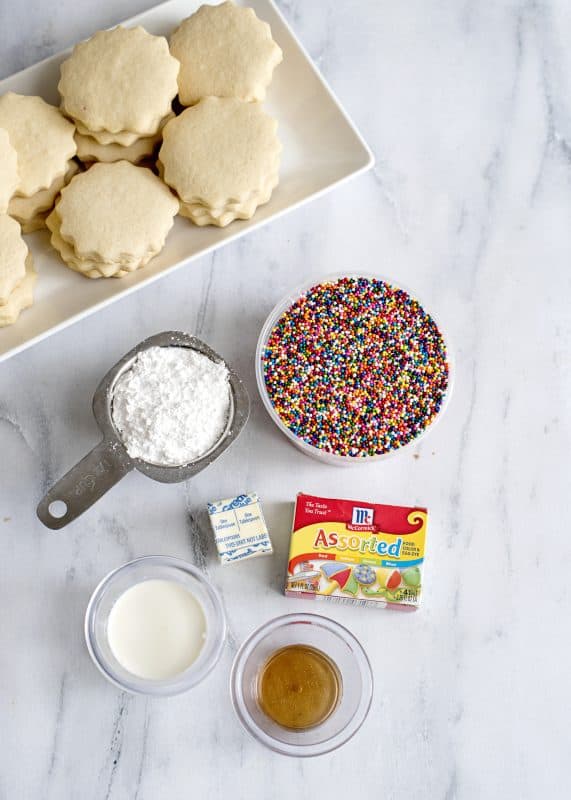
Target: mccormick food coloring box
x,y
356,552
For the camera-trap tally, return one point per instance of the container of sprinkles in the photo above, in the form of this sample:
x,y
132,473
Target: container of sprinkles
x,y
353,369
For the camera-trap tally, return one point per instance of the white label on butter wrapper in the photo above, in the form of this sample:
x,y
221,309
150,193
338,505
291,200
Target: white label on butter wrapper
x,y
239,528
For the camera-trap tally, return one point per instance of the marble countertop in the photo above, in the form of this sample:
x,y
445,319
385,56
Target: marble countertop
x,y
467,108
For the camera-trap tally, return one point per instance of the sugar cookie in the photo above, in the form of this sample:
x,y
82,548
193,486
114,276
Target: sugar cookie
x,y
22,297
8,170
123,79
89,268
89,149
224,51
221,153
42,138
35,223
115,215
204,215
27,209
13,252
123,138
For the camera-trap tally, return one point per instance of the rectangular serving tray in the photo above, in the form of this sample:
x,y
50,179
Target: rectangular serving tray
x,y
321,149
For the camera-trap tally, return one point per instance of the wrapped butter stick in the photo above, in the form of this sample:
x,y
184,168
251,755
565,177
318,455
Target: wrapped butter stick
x,y
239,528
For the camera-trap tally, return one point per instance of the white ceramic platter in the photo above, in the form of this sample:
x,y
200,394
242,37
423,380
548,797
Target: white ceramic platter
x,y
321,148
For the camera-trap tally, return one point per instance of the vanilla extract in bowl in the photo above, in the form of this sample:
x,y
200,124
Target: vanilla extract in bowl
x,y
298,687
301,684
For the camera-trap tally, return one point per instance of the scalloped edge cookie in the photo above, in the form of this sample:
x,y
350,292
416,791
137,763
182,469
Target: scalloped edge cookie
x,y
89,268
89,149
27,209
140,92
221,150
221,217
42,137
116,213
22,297
224,51
9,177
13,253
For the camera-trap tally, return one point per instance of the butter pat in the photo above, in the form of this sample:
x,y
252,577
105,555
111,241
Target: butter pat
x,y
239,528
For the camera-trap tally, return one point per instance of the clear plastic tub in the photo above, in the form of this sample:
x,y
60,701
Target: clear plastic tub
x,y
315,452
123,578
356,683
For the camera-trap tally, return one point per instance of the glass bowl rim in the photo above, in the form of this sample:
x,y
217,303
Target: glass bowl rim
x,y
185,680
337,739
285,302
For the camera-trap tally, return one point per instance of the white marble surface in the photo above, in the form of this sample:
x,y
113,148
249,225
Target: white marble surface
x,y
467,107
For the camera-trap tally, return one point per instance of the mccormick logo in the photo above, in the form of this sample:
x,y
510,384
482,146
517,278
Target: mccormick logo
x,y
362,517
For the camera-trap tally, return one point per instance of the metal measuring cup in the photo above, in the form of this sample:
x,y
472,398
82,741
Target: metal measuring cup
x,y
109,461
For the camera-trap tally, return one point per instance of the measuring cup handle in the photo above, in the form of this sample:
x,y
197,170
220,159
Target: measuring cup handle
x,y
85,483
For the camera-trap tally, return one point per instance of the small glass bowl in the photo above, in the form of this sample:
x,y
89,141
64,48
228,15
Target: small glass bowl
x,y
316,452
123,578
356,684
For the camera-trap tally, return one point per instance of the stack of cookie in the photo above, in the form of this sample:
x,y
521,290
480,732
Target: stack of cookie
x,y
90,149
43,142
17,274
118,87
222,158
112,219
219,159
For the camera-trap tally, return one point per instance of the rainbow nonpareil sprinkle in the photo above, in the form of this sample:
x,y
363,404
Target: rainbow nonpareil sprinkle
x,y
356,367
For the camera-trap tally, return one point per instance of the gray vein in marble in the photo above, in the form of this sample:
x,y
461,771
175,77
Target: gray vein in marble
x,y
8,419
464,441
456,717
291,9
555,141
197,540
491,175
462,217
502,491
391,198
493,169
564,146
422,707
465,17
452,788
322,54
117,530
58,725
144,743
116,743
203,308
46,458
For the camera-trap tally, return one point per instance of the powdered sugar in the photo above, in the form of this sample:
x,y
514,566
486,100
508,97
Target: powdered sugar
x,y
172,405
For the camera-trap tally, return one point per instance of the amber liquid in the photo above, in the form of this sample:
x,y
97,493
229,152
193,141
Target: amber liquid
x,y
298,687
